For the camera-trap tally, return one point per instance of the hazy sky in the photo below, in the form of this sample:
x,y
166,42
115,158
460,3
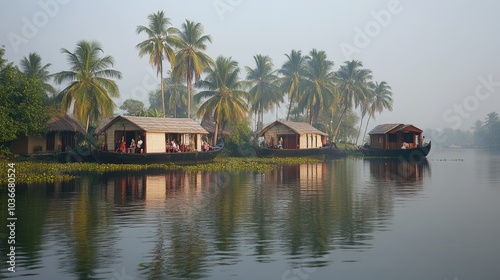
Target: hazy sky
x,y
441,58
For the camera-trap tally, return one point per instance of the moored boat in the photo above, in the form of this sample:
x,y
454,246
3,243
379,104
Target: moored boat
x,y
294,139
195,157
144,140
397,140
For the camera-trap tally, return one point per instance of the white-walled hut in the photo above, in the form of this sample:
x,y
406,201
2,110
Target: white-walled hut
x,y
156,133
295,135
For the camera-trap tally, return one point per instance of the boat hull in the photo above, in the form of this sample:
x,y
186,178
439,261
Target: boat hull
x,y
156,158
415,154
320,153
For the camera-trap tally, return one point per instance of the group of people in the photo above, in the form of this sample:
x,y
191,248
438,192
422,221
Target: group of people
x,y
121,146
205,147
173,146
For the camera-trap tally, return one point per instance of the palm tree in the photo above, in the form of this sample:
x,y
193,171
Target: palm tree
x,y
191,59
90,83
225,97
264,91
365,109
293,71
381,100
353,87
158,45
175,92
33,67
320,89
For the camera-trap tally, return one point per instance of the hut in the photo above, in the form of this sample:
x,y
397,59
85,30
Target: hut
x,y
292,135
395,136
62,135
156,133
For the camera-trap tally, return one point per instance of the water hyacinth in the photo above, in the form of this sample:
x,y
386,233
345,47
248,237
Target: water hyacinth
x,y
28,171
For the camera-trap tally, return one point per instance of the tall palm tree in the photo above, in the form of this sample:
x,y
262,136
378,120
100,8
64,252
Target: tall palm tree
x,y
293,71
381,100
90,86
191,59
158,45
33,67
175,92
224,94
353,87
365,109
320,90
264,91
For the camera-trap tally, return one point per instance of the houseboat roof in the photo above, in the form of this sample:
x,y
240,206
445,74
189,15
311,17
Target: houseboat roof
x,y
297,127
65,123
162,125
393,127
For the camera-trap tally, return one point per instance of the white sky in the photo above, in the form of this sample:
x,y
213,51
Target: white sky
x,y
432,53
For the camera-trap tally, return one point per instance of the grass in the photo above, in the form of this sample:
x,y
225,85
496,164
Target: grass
x,y
31,171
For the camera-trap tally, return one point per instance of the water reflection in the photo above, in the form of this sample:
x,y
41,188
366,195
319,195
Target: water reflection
x,y
200,224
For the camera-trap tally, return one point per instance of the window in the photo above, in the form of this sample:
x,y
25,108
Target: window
x,y
393,137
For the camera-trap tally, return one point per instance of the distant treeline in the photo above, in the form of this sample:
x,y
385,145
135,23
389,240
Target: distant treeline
x,y
484,134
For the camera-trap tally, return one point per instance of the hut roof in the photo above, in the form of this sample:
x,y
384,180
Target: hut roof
x,y
297,127
388,127
163,125
209,125
65,123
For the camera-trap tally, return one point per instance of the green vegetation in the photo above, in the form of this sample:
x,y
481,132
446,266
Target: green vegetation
x,y
158,45
90,86
308,85
224,93
22,108
30,171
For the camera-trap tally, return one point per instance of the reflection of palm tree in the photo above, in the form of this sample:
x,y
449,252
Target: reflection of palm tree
x,y
91,86
264,91
224,94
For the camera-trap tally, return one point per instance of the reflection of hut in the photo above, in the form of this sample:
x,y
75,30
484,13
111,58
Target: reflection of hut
x,y
154,132
295,135
62,135
394,136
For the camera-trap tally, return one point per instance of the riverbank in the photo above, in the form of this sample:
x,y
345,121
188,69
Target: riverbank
x,y
33,171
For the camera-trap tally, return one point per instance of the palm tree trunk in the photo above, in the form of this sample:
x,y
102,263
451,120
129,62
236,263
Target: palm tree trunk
x,y
162,91
87,125
367,122
216,133
359,130
338,125
189,95
289,107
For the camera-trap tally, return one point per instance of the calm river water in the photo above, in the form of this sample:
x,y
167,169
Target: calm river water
x,y
346,219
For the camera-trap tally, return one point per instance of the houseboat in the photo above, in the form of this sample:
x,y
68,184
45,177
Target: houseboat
x,y
294,139
145,140
395,141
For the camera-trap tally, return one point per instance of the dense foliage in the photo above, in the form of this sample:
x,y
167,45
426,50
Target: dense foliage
x,y
22,107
